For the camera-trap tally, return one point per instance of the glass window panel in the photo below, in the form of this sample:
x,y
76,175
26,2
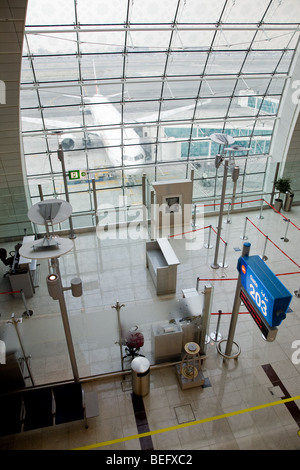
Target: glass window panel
x,y
200,11
57,96
212,87
101,41
150,40
185,62
246,86
173,110
237,39
153,11
225,62
28,98
41,12
52,43
64,117
142,90
252,183
101,66
261,62
186,40
101,11
260,144
80,201
285,62
27,75
145,64
283,12
235,11
38,163
55,69
256,165
212,107
270,39
31,120
185,88
34,145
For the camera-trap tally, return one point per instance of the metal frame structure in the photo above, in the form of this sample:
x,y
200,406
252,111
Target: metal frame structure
x,y
181,56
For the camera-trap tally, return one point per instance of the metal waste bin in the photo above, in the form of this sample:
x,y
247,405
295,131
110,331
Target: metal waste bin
x,y
140,376
288,201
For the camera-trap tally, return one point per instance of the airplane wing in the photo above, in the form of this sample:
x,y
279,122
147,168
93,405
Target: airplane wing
x,y
53,124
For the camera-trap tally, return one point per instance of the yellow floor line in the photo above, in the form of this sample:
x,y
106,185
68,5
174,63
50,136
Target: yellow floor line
x,y
184,425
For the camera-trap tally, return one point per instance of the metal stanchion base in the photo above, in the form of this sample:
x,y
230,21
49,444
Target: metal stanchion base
x,y
259,217
228,221
285,239
207,339
297,293
233,356
242,237
264,258
214,266
207,246
222,265
28,313
72,236
216,337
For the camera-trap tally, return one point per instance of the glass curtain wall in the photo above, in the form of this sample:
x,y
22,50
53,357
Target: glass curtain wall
x,y
128,87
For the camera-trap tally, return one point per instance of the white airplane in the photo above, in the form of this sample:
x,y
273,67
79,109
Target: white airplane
x,y
107,127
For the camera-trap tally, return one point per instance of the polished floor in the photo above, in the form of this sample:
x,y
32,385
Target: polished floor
x,y
242,393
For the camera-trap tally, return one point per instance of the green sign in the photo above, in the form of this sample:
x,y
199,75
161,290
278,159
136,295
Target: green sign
x,y
77,175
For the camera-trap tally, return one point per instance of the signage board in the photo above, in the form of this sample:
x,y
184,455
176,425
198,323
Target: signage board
x,y
77,175
267,331
267,293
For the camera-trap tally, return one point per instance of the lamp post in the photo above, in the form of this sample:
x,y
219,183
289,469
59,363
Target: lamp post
x,y
51,248
224,139
60,154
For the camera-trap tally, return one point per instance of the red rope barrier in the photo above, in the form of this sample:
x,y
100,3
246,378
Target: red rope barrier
x,y
281,214
12,292
190,231
232,203
216,234
228,313
275,244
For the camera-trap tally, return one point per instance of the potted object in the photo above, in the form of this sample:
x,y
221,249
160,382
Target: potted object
x,y
282,185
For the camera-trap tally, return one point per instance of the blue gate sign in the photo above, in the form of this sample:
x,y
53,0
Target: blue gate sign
x,y
269,295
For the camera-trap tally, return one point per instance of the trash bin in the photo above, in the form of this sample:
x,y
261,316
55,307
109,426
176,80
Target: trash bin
x,y
140,376
288,201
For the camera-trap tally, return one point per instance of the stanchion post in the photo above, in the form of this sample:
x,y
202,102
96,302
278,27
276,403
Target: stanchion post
x,y
287,227
208,291
215,264
118,307
95,201
260,216
194,216
228,221
215,335
244,237
264,257
27,311
60,154
236,305
15,322
223,264
297,292
208,245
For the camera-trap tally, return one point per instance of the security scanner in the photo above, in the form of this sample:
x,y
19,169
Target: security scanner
x,y
188,323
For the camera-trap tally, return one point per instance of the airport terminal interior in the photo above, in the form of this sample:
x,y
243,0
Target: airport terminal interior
x,y
149,226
